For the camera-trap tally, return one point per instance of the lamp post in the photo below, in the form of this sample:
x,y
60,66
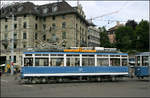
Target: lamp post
x,y
12,45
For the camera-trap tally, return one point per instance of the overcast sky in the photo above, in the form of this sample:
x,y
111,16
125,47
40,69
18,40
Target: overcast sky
x,y
136,10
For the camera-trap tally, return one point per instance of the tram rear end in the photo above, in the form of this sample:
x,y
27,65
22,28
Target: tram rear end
x,y
142,68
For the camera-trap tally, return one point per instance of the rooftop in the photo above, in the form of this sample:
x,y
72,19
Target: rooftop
x,y
51,9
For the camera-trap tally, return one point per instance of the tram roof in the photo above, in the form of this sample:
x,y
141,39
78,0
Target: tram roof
x,y
75,53
143,54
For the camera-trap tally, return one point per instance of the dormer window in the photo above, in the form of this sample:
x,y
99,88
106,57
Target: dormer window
x,y
54,8
45,10
36,9
20,9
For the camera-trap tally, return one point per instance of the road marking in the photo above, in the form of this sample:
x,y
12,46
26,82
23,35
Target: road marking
x,y
27,85
4,81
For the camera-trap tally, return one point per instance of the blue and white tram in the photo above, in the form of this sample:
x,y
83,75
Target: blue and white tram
x,y
142,68
47,66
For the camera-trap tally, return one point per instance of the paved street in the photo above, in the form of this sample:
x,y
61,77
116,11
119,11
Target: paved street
x,y
126,88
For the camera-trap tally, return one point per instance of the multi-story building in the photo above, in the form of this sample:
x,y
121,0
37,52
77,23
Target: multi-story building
x,y
111,33
53,23
93,37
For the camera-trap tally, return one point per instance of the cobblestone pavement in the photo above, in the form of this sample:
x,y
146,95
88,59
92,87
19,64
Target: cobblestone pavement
x,y
124,88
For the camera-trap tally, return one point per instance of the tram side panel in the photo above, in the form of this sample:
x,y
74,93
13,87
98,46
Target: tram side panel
x,y
74,71
142,71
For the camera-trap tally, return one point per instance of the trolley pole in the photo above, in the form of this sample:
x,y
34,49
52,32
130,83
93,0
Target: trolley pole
x,y
12,46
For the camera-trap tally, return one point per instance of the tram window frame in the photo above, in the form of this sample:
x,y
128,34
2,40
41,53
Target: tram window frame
x,y
28,63
28,54
76,63
114,56
41,58
102,55
54,63
144,59
114,61
126,63
103,63
72,55
88,60
56,55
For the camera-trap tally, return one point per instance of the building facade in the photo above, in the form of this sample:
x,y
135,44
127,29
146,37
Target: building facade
x,y
111,33
93,37
55,24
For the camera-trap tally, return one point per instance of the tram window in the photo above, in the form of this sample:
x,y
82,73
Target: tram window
x,y
38,54
28,61
102,55
57,55
88,60
87,55
124,62
45,54
73,62
28,54
72,55
115,61
41,61
124,55
102,62
114,55
57,62
145,61
138,61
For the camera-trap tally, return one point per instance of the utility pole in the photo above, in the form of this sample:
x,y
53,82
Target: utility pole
x,y
12,45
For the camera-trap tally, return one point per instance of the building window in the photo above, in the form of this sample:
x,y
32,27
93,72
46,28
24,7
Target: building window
x,y
44,26
15,35
64,25
36,18
53,25
24,35
44,37
15,46
63,35
50,29
6,20
15,26
5,46
24,46
24,25
15,18
44,19
63,17
53,17
14,59
36,35
6,27
36,26
6,36
25,16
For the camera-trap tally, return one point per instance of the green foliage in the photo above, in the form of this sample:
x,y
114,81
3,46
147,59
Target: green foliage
x,y
133,36
142,32
104,40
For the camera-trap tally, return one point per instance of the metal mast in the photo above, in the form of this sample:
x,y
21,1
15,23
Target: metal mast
x,y
12,44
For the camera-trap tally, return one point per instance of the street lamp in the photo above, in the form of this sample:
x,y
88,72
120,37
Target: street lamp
x,y
12,45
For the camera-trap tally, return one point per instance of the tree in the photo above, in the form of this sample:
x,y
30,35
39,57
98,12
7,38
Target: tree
x,y
131,23
124,38
142,39
104,40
